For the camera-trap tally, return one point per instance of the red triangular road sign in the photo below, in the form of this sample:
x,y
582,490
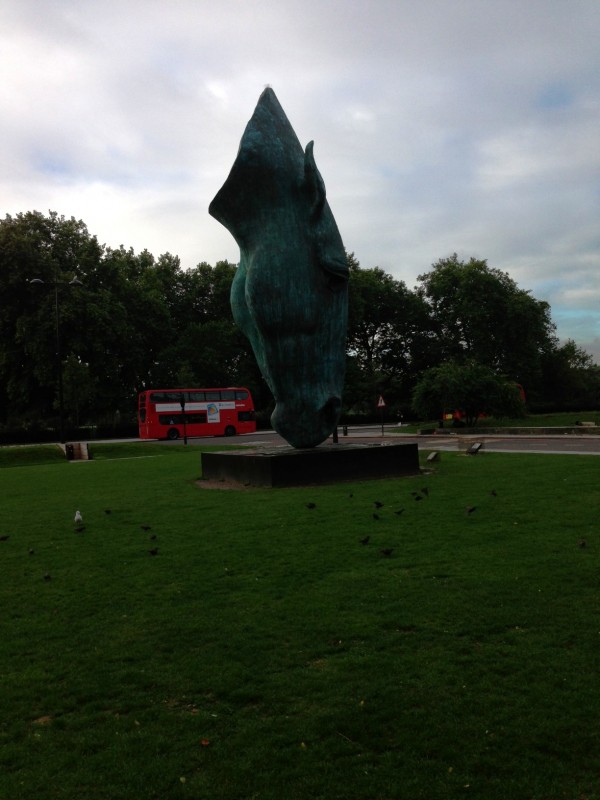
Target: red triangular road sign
x,y
381,402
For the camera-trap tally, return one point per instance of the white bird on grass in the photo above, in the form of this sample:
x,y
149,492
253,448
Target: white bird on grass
x,y
78,518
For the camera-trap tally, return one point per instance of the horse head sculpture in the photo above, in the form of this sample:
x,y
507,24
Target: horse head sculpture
x,y
290,291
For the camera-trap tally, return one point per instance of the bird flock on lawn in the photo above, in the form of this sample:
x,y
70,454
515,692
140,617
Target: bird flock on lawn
x,y
378,514
79,528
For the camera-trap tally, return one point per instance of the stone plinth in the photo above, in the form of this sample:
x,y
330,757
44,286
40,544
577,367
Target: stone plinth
x,y
281,467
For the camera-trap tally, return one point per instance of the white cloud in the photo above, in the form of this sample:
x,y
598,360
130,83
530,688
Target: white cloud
x,y
438,127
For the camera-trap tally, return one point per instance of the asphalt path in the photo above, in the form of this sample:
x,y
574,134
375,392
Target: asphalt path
x,y
576,444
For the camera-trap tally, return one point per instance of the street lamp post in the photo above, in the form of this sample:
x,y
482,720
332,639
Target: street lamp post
x,y
56,285
182,403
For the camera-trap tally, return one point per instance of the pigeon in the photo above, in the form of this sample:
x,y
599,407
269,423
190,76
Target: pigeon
x,y
366,540
78,518
154,551
387,551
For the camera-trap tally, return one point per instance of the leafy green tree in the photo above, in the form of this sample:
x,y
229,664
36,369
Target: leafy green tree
x,y
571,379
469,387
209,349
54,250
389,338
479,313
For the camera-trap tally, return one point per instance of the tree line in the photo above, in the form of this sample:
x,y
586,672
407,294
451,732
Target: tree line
x,y
130,321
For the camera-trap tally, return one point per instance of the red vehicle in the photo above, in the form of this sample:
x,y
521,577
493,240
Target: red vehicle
x,y
457,417
174,413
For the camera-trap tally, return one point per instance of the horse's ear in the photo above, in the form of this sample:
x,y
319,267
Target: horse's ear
x,y
313,183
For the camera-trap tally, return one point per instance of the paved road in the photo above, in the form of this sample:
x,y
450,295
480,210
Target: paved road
x,y
575,444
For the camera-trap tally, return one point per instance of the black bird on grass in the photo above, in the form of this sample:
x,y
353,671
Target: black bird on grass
x,y
107,511
146,527
378,504
311,505
470,509
152,537
494,493
366,540
387,551
31,552
376,516
47,577
154,551
5,537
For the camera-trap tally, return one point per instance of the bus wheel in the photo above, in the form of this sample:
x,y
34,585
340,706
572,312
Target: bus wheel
x,y
173,434
230,430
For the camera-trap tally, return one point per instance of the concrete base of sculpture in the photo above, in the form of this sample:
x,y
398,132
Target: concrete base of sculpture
x,y
281,467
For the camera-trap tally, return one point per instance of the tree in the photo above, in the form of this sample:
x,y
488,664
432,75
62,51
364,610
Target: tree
x,y
571,379
389,338
53,249
472,388
135,322
479,313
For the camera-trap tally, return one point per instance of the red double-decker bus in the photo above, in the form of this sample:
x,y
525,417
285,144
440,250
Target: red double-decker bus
x,y
175,413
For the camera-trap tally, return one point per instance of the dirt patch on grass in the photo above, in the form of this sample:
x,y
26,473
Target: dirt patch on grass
x,y
204,483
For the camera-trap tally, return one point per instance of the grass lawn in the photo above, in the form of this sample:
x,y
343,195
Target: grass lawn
x,y
264,652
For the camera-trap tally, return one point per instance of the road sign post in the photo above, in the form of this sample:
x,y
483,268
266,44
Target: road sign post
x,y
381,406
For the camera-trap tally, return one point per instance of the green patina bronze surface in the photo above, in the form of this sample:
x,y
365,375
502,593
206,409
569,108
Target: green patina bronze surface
x,y
290,292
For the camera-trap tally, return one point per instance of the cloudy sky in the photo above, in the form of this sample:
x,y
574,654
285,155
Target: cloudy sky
x,y
440,126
